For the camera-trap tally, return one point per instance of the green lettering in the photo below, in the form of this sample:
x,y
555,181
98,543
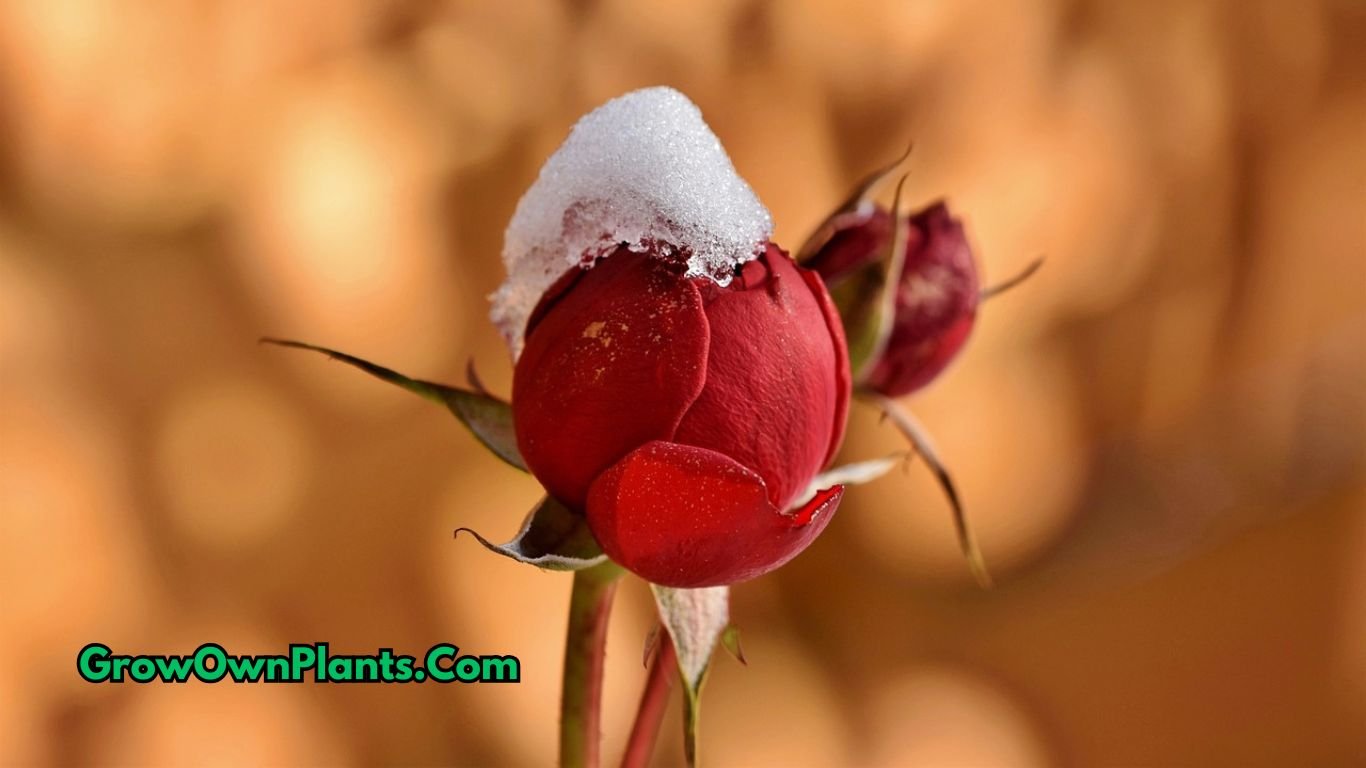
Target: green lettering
x,y
434,657
246,669
175,669
206,653
120,668
277,669
142,669
467,669
501,669
92,663
340,669
301,657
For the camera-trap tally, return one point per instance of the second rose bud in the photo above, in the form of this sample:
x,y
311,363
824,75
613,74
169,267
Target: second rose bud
x,y
935,296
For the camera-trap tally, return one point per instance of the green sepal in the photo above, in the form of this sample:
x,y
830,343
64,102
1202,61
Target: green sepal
x,y
696,620
866,300
552,537
920,441
730,640
487,418
855,206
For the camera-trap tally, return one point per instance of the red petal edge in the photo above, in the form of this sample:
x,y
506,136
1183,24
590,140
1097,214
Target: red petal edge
x,y
682,516
843,376
614,363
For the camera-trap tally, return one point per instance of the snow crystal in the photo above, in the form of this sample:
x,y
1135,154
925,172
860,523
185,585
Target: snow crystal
x,y
642,170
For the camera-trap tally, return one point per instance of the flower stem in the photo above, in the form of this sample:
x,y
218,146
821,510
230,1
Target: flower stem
x,y
653,701
691,714
590,603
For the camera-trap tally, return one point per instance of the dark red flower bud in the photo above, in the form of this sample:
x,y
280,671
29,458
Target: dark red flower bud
x,y
936,298
684,418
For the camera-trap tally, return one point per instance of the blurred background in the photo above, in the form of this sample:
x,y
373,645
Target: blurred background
x,y
1161,438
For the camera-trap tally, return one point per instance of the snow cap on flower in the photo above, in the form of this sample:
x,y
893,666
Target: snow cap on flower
x,y
644,171
680,381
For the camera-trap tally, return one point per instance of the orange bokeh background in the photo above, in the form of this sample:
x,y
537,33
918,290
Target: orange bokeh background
x,y
1161,438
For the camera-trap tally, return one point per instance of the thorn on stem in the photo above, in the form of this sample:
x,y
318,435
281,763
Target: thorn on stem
x,y
651,644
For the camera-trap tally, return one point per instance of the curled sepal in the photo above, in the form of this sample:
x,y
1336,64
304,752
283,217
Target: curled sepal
x,y
856,207
857,473
696,620
730,640
919,439
552,537
487,418
1010,282
867,299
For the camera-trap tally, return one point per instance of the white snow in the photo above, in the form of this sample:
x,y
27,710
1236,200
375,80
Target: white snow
x,y
644,170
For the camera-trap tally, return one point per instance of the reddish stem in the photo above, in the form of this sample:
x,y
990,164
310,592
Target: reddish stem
x,y
653,701
590,604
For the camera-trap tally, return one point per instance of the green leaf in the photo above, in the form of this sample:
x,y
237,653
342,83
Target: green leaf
x,y
552,537
695,619
487,417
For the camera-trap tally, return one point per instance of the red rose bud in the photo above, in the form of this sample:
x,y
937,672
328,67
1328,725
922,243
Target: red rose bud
x,y
685,419
936,296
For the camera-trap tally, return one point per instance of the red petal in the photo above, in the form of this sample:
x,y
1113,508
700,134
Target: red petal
x,y
858,240
936,304
682,516
773,398
844,378
551,298
917,360
613,364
